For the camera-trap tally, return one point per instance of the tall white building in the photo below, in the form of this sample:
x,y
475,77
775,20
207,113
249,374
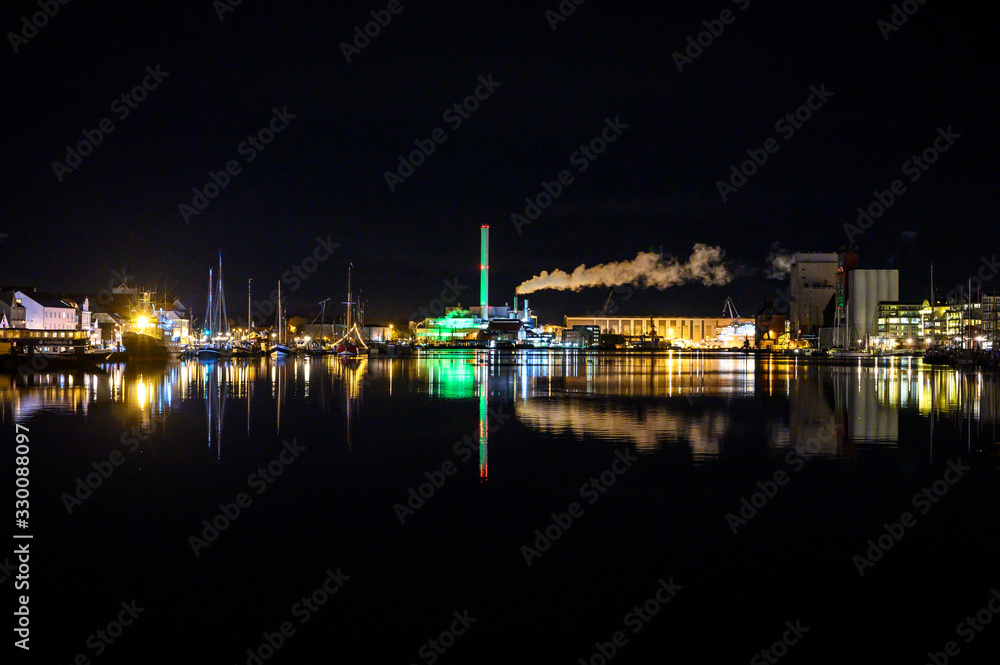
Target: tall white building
x,y
865,289
812,282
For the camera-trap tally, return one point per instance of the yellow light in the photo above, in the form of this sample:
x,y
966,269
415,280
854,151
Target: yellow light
x,y
141,322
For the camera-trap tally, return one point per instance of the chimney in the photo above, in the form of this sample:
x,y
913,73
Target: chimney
x,y
484,271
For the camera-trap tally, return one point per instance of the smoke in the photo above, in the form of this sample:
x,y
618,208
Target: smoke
x,y
647,269
779,262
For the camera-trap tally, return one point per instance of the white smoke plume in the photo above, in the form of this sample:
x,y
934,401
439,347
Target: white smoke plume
x,y
779,262
647,269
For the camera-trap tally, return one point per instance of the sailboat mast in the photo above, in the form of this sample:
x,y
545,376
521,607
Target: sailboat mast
x,y
222,318
281,328
349,303
208,313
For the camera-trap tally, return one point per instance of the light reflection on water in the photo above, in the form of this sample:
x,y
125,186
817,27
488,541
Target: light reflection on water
x,y
649,401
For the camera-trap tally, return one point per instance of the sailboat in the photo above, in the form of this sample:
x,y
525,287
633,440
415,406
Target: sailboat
x,y
347,346
216,321
281,348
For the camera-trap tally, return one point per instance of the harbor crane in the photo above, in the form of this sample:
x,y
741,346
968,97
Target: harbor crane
x,y
730,306
607,303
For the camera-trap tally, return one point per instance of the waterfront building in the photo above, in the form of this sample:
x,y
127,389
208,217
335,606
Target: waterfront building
x,y
44,311
771,327
934,323
11,310
865,290
899,324
447,329
505,330
812,283
109,328
965,323
696,330
991,320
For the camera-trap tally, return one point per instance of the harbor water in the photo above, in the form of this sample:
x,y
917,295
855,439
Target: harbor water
x,y
510,507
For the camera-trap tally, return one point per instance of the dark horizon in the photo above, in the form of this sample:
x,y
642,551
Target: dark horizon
x,y
339,126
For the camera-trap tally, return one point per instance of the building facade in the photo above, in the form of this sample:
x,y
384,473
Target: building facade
x,y
44,311
991,319
812,283
691,329
899,324
866,289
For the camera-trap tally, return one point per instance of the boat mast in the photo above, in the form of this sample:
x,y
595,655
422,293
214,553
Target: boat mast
x,y
349,303
222,320
281,328
209,321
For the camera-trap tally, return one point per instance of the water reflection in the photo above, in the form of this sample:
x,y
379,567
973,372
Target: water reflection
x,y
702,404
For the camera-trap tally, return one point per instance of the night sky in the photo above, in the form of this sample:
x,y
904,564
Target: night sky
x,y
323,174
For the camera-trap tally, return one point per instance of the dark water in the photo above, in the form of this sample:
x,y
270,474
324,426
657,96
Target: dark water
x,y
654,451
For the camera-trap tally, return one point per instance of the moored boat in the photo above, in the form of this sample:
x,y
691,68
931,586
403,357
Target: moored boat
x,y
139,346
218,345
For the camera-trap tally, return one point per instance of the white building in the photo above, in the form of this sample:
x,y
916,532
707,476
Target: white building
x,y
176,325
812,282
44,311
865,289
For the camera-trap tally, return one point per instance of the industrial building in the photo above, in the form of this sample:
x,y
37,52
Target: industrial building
x,y
484,324
866,289
699,331
812,283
